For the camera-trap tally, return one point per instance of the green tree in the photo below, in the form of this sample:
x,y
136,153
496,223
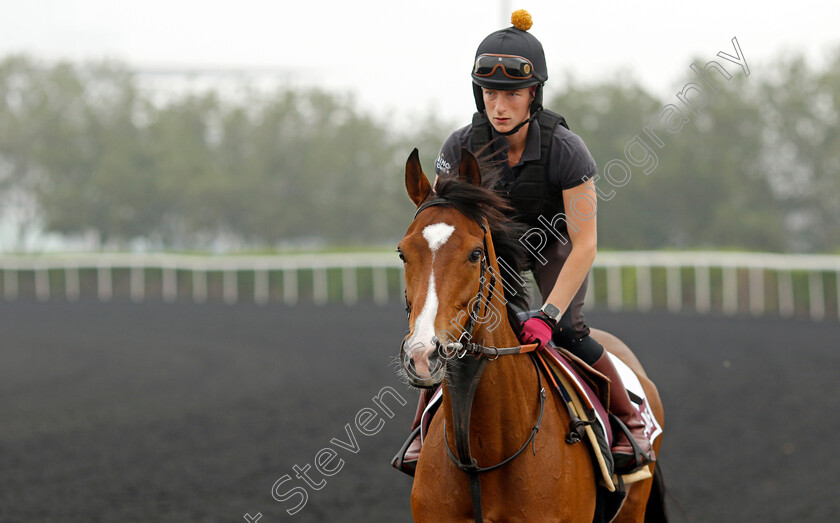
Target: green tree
x,y
706,189
801,108
83,148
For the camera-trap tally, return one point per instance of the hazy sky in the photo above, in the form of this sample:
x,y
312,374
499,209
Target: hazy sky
x,y
415,56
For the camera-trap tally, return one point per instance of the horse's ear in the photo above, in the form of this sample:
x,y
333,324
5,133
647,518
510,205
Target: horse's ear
x,y
468,170
416,182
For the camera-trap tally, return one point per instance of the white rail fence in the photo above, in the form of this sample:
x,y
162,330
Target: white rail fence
x,y
728,282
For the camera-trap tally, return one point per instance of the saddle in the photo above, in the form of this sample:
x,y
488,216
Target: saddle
x,y
585,393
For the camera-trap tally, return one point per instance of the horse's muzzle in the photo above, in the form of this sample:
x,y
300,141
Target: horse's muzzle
x,y
422,364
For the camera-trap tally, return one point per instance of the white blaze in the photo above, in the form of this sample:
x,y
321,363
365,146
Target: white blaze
x,y
424,329
437,235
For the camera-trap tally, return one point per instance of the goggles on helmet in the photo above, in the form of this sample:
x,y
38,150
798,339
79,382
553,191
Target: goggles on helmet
x,y
515,67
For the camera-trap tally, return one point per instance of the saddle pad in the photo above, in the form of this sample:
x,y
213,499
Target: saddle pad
x,y
638,397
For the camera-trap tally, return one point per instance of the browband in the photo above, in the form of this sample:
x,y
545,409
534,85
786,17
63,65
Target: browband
x,y
441,200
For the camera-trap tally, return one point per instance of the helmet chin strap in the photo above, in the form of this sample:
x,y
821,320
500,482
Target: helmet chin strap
x,y
518,127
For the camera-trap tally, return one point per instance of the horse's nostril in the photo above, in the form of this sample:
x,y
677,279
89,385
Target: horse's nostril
x,y
407,360
439,350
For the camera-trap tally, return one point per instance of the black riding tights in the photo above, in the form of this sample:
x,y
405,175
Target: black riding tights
x,y
585,348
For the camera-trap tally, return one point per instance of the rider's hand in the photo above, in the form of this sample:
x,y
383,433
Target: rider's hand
x,y
536,330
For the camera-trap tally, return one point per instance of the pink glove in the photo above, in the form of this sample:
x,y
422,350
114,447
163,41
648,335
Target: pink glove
x,y
535,330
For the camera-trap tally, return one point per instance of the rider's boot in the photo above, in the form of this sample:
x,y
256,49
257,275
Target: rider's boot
x,y
406,458
626,456
413,451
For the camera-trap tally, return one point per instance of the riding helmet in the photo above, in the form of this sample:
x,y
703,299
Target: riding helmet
x,y
513,41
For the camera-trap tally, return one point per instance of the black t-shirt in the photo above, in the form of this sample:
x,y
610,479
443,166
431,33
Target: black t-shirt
x,y
569,164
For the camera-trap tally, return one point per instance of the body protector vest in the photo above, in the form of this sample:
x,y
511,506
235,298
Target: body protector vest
x,y
531,194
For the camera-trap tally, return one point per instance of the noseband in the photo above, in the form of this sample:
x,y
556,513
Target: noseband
x,y
463,385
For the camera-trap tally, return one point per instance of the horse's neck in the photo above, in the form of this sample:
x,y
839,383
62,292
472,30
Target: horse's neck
x,y
506,402
508,386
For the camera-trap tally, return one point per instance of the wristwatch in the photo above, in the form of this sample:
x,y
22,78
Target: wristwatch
x,y
551,312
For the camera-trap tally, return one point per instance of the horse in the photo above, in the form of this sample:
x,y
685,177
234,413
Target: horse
x,y
495,450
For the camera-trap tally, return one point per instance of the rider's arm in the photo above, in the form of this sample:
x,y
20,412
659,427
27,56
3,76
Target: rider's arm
x,y
580,203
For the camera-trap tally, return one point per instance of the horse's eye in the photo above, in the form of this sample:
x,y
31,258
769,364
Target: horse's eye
x,y
401,255
475,256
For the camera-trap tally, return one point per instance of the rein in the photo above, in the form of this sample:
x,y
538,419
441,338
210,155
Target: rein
x,y
463,385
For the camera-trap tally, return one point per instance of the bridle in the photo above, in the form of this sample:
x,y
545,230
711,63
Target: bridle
x,y
463,385
460,348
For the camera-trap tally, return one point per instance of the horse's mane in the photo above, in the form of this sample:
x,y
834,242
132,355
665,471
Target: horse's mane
x,y
483,202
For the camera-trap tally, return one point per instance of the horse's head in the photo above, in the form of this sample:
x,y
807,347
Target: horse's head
x,y
444,252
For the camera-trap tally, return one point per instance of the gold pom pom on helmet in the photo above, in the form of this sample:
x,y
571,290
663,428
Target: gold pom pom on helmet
x,y
521,19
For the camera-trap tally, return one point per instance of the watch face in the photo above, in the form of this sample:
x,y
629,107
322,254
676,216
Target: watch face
x,y
551,310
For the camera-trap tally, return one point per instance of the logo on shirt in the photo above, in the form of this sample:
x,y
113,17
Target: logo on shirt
x,y
442,165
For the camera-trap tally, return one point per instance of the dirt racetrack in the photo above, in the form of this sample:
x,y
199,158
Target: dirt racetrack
x,y
150,412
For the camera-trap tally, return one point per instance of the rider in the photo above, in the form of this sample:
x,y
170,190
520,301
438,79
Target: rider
x,y
546,175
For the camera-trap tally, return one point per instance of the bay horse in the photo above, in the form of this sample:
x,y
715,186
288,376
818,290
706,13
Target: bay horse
x,y
497,412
